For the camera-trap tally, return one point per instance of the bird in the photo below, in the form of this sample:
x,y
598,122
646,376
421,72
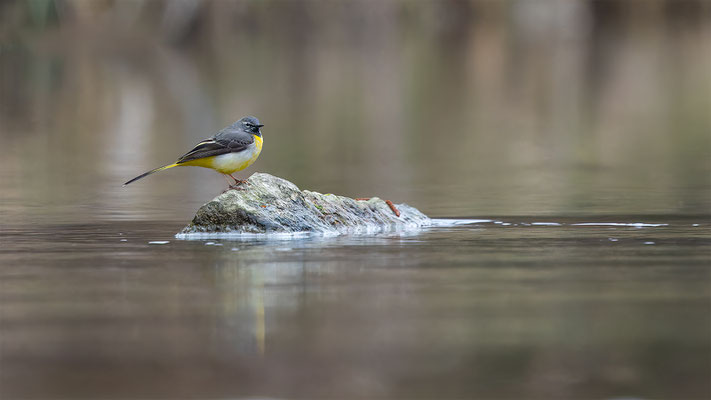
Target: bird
x,y
232,149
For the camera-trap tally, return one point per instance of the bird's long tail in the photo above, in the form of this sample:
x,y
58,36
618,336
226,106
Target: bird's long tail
x,y
151,171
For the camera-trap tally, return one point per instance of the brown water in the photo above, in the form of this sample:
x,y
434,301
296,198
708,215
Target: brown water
x,y
533,117
485,310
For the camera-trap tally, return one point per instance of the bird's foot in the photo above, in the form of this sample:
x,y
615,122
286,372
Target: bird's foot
x,y
233,187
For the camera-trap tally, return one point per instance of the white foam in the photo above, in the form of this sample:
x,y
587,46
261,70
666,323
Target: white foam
x,y
159,242
454,222
252,236
375,229
369,229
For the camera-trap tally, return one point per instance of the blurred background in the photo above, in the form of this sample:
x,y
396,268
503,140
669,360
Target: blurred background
x,y
524,111
461,108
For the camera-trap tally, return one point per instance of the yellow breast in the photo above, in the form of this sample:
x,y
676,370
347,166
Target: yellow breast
x,y
231,162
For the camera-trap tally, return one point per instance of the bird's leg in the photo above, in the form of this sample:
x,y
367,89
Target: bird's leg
x,y
237,181
231,185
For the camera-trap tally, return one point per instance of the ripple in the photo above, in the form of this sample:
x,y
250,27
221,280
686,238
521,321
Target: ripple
x,y
445,222
632,224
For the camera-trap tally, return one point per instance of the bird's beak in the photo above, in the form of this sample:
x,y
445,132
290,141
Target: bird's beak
x,y
259,126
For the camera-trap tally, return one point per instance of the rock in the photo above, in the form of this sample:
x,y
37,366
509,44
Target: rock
x,y
267,204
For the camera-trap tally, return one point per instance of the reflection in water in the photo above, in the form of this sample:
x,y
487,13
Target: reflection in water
x,y
484,310
260,331
243,287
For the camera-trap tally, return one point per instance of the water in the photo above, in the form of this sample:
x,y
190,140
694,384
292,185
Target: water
x,y
577,133
508,308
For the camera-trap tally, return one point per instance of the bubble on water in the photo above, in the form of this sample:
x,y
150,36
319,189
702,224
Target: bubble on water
x,y
159,242
648,242
124,240
612,239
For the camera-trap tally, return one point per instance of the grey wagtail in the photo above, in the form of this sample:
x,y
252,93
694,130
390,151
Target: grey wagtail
x,y
232,149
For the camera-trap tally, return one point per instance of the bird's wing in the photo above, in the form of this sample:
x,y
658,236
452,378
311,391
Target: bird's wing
x,y
226,141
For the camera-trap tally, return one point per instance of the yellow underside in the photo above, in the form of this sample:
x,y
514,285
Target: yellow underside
x,y
226,167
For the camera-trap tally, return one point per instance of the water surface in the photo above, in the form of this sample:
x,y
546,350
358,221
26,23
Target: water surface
x,y
560,122
512,308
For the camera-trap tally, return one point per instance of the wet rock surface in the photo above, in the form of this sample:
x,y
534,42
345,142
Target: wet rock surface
x,y
268,204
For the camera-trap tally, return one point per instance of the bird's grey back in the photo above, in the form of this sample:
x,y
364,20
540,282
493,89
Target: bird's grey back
x,y
234,136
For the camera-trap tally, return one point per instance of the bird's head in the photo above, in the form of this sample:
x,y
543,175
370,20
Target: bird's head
x,y
250,124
